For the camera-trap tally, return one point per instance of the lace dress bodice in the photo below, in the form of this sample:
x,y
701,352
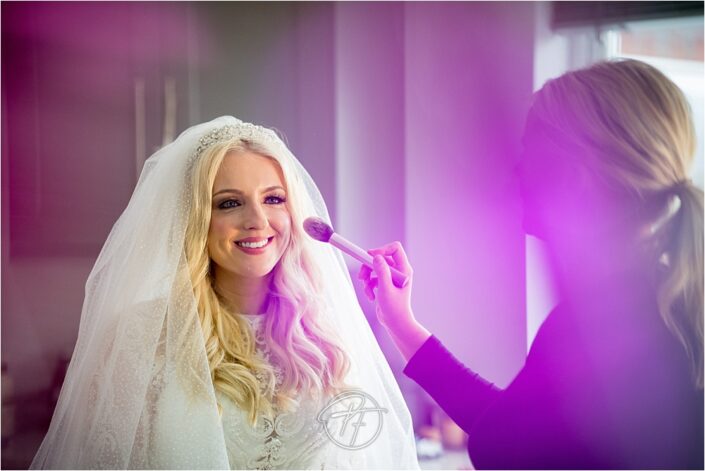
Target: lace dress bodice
x,y
286,440
289,440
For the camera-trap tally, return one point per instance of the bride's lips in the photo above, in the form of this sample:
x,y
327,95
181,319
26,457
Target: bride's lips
x,y
251,250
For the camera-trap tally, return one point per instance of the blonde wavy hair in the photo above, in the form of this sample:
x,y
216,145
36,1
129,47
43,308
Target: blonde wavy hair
x,y
634,126
302,343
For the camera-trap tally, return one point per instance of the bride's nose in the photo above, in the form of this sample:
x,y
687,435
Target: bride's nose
x,y
255,217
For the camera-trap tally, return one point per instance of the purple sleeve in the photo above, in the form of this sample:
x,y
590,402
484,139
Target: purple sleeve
x,y
460,392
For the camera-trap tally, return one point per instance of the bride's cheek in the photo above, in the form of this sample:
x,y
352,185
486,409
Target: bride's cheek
x,y
220,227
281,222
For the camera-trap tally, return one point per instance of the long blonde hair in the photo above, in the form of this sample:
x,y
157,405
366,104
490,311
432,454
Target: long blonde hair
x,y
301,341
634,127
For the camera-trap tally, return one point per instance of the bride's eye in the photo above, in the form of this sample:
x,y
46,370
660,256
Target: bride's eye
x,y
274,199
227,204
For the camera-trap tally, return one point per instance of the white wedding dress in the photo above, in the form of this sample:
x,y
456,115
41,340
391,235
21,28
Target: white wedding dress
x,y
291,440
138,393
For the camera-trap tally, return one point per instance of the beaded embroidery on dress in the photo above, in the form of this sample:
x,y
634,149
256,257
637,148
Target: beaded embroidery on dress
x,y
288,440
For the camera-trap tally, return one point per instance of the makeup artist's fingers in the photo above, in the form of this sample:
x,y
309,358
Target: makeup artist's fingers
x,y
369,289
396,251
383,273
364,272
388,259
369,293
372,283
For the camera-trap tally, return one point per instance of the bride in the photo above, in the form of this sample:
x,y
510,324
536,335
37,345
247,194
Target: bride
x,y
215,334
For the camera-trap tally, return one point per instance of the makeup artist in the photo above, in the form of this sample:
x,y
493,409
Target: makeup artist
x,y
614,378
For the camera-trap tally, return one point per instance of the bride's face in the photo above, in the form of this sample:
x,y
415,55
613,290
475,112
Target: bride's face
x,y
250,223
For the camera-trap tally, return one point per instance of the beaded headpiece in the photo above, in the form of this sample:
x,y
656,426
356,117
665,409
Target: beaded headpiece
x,y
242,130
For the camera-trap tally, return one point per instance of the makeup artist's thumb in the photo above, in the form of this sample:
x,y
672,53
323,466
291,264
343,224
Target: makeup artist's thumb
x,y
382,270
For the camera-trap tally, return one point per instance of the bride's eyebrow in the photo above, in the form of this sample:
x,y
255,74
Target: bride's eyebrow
x,y
239,192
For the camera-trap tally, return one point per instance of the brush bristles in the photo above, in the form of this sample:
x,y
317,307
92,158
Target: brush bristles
x,y
318,229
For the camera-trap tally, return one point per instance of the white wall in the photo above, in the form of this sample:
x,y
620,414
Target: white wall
x,y
370,154
468,84
430,103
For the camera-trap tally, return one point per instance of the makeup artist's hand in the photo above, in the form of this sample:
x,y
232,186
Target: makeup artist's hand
x,y
393,304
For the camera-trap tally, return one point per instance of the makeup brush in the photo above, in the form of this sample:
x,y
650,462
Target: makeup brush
x,y
319,230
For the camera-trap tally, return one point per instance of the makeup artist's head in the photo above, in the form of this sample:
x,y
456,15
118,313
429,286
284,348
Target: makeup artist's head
x,y
604,148
604,177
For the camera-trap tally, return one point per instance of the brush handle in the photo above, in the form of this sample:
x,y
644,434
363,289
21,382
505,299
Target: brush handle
x,y
336,240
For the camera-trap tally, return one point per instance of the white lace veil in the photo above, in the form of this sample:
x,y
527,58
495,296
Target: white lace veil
x,y
138,304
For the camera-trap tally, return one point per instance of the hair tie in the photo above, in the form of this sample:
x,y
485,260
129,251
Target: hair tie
x,y
673,204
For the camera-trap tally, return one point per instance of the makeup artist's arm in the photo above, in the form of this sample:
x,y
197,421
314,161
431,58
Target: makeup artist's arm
x,y
461,392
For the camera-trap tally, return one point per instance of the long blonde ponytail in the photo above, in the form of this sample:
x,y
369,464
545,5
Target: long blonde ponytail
x,y
680,293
